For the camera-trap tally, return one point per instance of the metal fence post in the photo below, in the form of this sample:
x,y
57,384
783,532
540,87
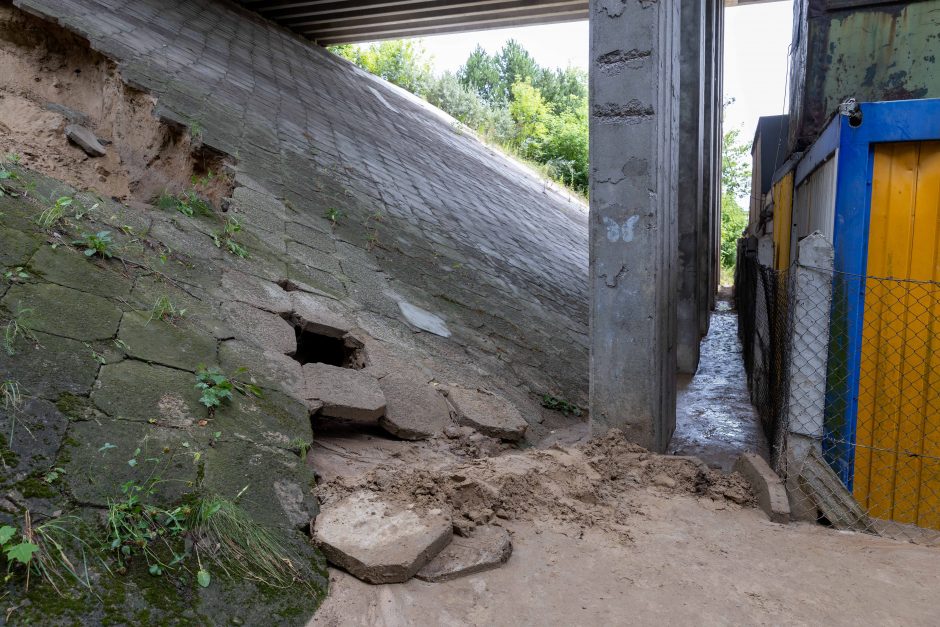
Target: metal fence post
x,y
806,391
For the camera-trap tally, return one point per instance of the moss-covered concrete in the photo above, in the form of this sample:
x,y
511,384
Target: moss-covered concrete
x,y
134,390
65,266
48,366
171,343
64,311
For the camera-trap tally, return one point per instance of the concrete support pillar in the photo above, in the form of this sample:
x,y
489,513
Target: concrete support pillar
x,y
715,247
711,108
691,185
634,92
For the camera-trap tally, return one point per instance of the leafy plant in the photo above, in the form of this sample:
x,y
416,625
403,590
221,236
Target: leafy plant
x,y
18,554
137,527
226,238
217,388
16,275
99,243
560,404
334,215
53,214
17,326
164,309
189,203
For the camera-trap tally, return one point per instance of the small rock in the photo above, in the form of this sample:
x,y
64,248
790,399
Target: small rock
x,y
489,414
85,139
664,481
377,541
488,547
452,432
345,393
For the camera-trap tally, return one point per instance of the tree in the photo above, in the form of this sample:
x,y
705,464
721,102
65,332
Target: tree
x,y
735,184
481,74
403,62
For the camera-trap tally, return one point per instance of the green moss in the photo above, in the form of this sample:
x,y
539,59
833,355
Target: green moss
x,y
8,457
34,487
75,407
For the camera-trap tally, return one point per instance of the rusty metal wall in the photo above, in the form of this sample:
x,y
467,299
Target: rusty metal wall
x,y
870,51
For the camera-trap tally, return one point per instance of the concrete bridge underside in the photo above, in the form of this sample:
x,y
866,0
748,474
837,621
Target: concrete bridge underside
x,y
350,21
654,228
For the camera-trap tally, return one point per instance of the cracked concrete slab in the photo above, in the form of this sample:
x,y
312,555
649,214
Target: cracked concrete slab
x,y
344,393
377,541
488,413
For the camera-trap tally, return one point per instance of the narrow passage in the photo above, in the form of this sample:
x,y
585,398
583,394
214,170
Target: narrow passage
x,y
715,420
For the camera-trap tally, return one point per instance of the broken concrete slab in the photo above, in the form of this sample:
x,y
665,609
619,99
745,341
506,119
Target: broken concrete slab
x,y
488,413
413,409
830,496
85,139
261,328
312,314
344,393
378,541
489,547
767,486
256,292
423,319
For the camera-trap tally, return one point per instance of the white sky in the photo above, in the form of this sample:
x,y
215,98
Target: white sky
x,y
757,39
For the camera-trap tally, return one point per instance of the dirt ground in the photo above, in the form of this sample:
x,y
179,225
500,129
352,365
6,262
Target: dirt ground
x,y
609,535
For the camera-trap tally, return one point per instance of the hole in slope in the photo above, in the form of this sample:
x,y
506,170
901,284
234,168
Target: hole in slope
x,y
288,286
317,344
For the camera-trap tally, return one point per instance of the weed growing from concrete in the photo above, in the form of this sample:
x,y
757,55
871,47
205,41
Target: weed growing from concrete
x,y
334,215
55,212
99,243
189,203
227,239
16,275
240,547
164,309
217,388
16,327
300,446
560,404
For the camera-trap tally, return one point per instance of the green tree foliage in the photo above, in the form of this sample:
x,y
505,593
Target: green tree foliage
x,y
539,114
403,62
735,184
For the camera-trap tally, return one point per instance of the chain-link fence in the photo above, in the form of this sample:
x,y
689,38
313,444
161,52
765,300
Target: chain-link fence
x,y
845,373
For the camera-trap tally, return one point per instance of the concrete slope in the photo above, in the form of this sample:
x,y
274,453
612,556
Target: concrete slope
x,y
453,227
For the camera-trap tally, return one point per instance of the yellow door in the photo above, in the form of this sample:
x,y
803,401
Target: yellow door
x,y
897,458
783,220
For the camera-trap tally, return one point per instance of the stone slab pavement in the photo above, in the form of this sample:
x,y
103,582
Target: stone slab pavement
x,y
428,214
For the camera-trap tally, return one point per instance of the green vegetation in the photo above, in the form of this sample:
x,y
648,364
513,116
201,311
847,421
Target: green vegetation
x,y
217,388
560,404
538,114
333,215
226,238
189,203
40,551
735,183
164,309
99,243
6,174
16,327
16,275
55,212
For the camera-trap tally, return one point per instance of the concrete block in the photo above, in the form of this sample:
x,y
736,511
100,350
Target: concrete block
x,y
344,393
489,547
378,541
768,488
488,413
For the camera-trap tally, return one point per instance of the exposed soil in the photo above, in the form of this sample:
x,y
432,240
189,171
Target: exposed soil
x,y
605,533
52,78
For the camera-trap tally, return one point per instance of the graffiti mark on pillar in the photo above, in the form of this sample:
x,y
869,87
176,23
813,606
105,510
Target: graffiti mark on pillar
x,y
617,231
